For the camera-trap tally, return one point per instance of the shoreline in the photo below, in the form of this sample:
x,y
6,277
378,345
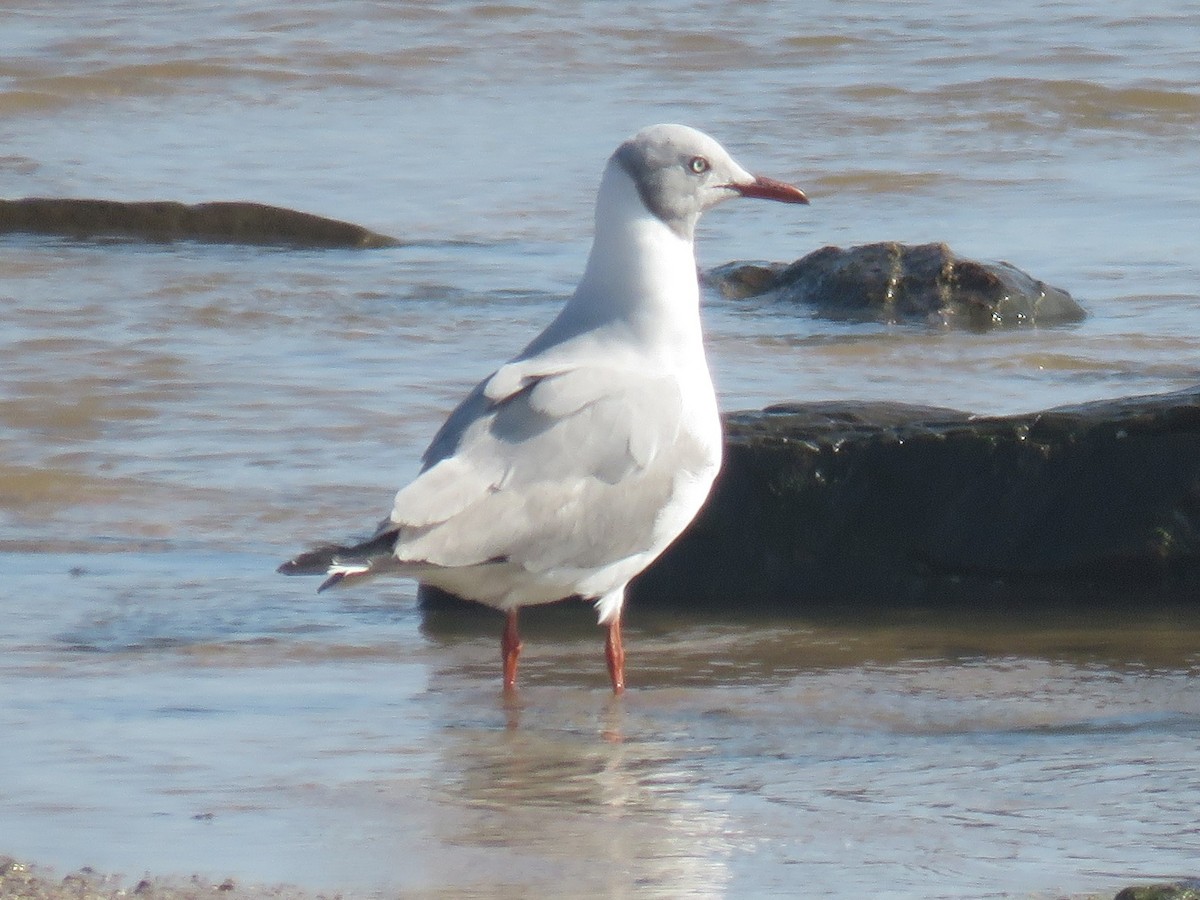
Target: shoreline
x,y
30,881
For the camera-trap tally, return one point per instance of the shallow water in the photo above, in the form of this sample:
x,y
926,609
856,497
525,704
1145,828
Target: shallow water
x,y
176,419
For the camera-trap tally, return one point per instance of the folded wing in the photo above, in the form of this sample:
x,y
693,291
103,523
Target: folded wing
x,y
568,469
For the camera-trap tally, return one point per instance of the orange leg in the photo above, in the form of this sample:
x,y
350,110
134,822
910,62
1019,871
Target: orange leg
x,y
510,649
614,652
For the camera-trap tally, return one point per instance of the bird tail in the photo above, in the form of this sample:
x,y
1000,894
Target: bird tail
x,y
340,562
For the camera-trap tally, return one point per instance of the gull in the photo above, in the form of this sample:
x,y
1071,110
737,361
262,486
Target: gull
x,y
572,467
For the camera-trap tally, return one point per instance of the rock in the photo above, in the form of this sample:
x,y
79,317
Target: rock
x,y
897,282
219,222
1178,890
739,280
883,505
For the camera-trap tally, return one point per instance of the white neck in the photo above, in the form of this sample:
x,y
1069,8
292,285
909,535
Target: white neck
x,y
640,278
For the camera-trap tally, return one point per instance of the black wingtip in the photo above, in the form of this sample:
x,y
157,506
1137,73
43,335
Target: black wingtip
x,y
312,562
331,581
320,560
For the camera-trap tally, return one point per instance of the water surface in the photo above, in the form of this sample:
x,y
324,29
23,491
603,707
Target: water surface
x,y
176,419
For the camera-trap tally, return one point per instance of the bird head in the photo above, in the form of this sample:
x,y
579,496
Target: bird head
x,y
681,172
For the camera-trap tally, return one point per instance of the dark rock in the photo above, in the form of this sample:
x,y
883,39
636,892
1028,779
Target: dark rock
x,y
883,505
1177,890
739,280
160,221
897,282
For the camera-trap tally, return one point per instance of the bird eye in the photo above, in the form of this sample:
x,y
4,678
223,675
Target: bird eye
x,y
699,165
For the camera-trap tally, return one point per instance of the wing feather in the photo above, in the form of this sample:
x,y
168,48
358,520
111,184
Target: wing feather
x,y
567,469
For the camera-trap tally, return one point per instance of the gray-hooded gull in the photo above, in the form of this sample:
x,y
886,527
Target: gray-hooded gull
x,y
567,471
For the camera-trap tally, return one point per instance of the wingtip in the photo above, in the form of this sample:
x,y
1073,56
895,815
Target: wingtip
x,y
337,562
331,581
311,562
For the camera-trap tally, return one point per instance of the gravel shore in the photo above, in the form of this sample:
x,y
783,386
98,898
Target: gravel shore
x,y
23,881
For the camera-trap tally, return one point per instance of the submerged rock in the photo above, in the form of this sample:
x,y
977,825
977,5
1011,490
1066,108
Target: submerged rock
x,y
884,505
160,221
900,282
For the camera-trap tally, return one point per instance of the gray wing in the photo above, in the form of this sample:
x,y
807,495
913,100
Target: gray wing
x,y
569,468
